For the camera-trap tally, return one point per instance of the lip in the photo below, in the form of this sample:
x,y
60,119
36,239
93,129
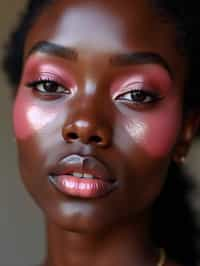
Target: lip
x,y
63,179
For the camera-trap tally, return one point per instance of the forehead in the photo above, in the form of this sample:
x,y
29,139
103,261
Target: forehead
x,y
101,28
97,22
104,27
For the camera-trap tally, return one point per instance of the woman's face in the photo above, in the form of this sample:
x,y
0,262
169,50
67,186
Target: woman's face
x,y
98,111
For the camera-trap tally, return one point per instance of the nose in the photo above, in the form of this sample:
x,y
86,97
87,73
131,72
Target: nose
x,y
87,132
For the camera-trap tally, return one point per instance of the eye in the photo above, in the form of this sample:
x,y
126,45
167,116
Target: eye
x,y
139,96
48,87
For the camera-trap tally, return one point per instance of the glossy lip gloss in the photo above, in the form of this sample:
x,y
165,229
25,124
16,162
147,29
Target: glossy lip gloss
x,y
82,176
82,187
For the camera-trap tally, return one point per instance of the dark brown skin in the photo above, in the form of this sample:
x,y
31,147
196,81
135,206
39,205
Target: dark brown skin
x,y
136,139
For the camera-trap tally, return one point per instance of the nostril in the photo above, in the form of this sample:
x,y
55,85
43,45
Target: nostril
x,y
72,136
95,139
87,135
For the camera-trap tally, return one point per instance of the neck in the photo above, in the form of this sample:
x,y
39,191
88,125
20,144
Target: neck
x,y
125,245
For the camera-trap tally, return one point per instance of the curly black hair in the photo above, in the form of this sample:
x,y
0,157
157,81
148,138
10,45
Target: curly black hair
x,y
173,224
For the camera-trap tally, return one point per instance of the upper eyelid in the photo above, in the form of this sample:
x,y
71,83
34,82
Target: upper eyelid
x,y
126,88
45,70
46,76
38,81
150,79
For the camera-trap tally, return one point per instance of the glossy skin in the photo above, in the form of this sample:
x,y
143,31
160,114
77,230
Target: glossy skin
x,y
135,138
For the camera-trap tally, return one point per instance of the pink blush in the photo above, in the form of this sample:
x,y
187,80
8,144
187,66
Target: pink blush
x,y
161,137
28,118
156,134
22,127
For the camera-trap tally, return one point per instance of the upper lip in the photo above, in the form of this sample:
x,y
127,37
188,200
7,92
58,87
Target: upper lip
x,y
82,164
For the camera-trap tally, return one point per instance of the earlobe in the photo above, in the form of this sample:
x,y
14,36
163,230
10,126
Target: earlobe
x,y
189,130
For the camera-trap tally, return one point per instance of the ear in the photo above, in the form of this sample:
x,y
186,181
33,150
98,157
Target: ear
x,y
191,124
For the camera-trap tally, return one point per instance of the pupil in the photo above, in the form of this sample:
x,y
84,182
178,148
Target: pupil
x,y
51,87
138,95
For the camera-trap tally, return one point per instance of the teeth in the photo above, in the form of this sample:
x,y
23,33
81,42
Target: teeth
x,y
77,174
87,176
82,175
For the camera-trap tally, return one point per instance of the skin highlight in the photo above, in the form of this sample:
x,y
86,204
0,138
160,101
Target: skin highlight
x,y
94,114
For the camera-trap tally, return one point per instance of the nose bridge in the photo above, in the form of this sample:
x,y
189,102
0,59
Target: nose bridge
x,y
90,103
88,119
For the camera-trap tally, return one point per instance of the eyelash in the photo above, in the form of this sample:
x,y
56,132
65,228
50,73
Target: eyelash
x,y
39,87
148,97
145,97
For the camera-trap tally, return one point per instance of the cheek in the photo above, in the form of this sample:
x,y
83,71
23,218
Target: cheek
x,y
29,118
155,133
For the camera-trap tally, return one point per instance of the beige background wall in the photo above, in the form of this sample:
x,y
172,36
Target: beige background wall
x,y
21,227
21,230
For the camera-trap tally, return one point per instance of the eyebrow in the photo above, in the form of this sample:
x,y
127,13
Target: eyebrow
x,y
135,58
54,49
142,58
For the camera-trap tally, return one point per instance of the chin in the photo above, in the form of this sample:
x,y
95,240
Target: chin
x,y
78,218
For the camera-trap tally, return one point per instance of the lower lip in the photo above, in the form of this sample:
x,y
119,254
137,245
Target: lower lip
x,y
82,187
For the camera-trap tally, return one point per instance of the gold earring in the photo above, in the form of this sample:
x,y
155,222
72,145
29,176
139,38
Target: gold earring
x,y
182,159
